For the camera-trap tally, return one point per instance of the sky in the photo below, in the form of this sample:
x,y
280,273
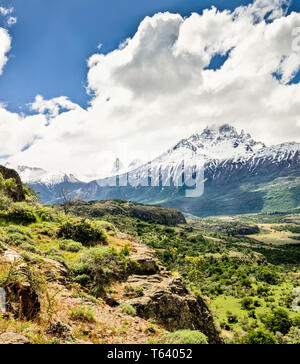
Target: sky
x,y
85,81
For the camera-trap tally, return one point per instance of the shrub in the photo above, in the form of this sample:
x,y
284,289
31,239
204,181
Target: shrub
x,y
266,275
83,231
28,247
247,303
70,246
7,186
296,321
105,225
17,239
101,265
45,214
17,229
184,337
259,337
231,318
83,313
128,309
21,213
5,201
278,321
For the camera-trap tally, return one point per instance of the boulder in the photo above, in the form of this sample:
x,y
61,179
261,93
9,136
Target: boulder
x,y
10,338
146,266
172,305
22,300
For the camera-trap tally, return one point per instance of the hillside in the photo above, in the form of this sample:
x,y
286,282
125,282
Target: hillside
x,y
101,273
99,209
73,280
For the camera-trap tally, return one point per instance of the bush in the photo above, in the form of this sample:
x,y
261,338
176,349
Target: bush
x,y
28,247
266,275
5,201
184,337
247,303
17,229
128,309
83,313
259,337
17,239
70,246
231,318
45,214
99,266
296,321
83,231
105,225
278,321
21,213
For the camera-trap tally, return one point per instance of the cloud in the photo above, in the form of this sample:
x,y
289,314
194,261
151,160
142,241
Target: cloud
x,y
5,44
54,106
157,88
6,11
12,20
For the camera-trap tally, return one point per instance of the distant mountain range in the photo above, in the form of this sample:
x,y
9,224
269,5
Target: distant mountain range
x,y
241,175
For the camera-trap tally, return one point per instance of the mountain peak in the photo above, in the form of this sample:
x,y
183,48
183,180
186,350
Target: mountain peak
x,y
220,142
225,130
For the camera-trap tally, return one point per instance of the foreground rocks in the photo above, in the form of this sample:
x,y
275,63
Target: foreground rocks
x,y
10,338
167,300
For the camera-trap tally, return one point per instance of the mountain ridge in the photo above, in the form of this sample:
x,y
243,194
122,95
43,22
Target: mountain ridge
x,y
233,162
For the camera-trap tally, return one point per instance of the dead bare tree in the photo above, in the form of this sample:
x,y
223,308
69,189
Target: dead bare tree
x,y
66,197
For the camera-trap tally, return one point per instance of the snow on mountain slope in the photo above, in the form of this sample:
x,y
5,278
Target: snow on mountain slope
x,y
215,147
33,175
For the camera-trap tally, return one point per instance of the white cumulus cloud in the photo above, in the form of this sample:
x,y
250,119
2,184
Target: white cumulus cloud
x,y
5,44
157,88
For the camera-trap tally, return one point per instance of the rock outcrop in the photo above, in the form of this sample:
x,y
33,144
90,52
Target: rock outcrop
x,y
18,193
166,299
10,338
154,214
23,300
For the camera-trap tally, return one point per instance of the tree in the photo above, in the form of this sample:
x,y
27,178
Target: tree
x,y
259,337
66,197
278,321
247,303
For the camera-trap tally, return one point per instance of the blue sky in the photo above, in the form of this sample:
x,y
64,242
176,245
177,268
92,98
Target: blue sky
x,y
53,39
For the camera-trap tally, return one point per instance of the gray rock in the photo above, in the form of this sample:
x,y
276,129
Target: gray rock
x,y
10,338
173,306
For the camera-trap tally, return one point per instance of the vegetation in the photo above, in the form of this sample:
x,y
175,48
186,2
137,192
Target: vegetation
x,y
183,337
128,309
246,279
82,230
83,313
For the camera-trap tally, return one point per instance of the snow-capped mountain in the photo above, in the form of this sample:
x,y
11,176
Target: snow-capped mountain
x,y
236,171
32,175
240,175
215,148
